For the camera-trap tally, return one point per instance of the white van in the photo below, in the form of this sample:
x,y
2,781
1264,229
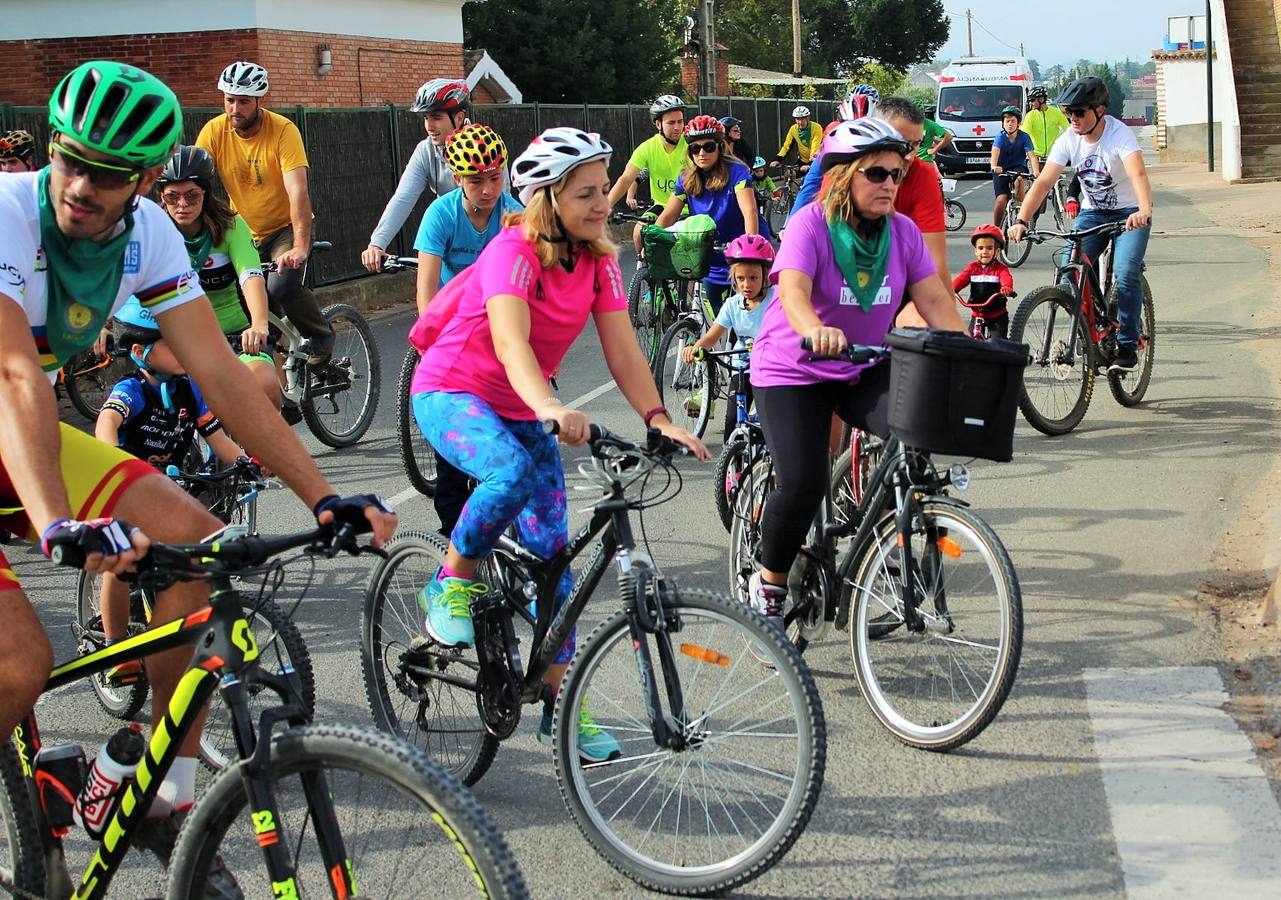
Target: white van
x,y
972,92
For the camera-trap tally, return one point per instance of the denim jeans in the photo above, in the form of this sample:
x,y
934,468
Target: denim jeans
x,y
1127,267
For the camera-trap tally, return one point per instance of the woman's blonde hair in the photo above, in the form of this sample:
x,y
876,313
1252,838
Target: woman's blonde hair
x,y
761,264
837,191
539,219
695,181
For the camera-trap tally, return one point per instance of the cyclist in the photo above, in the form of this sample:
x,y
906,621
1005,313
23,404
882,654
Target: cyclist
x,y
443,103
452,233
17,151
844,265
662,156
716,184
221,250
1109,163
1043,123
805,135
936,138
739,145
263,167
990,281
76,239
1012,156
481,387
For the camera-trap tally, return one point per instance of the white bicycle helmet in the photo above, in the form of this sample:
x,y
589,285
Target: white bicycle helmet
x,y
551,156
665,104
851,140
243,79
801,112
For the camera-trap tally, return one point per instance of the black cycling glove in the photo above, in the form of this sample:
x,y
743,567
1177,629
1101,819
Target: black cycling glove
x,y
69,542
351,510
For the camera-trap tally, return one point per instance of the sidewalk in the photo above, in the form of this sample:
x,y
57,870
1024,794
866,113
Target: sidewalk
x,y
1249,554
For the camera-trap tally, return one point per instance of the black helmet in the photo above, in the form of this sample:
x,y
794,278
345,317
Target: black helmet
x,y
189,163
1089,91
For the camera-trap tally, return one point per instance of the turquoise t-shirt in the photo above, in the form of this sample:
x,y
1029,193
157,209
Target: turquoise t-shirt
x,y
446,231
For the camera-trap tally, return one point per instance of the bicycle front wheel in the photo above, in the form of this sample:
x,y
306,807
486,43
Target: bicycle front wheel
x,y
726,805
1014,252
642,310
745,529
688,390
122,701
955,214
1129,387
1059,379
416,452
401,819
938,688
342,394
21,856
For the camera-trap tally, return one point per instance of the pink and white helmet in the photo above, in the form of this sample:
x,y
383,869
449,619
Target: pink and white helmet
x,y
552,155
749,248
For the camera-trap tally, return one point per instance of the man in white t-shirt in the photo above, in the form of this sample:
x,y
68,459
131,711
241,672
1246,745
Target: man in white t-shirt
x,y
1115,186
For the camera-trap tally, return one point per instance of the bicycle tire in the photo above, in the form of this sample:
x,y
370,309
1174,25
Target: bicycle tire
x,y
416,453
688,381
391,623
119,702
743,635
88,384
214,827
735,458
955,213
1045,371
217,742
1014,253
643,316
874,582
1129,388
22,857
342,367
745,529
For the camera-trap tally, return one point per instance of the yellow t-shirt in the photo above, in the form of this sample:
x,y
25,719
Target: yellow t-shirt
x,y
253,170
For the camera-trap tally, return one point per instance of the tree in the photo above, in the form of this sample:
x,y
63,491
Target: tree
x,y
1036,69
580,51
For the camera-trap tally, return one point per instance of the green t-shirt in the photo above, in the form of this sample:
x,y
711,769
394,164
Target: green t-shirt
x,y
933,132
664,167
229,265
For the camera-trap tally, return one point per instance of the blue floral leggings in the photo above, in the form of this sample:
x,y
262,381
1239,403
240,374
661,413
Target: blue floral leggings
x,y
520,480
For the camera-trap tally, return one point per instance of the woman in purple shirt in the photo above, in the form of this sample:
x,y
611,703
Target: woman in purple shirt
x,y
847,264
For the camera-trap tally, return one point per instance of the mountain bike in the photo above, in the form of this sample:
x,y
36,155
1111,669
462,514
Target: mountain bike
x,y
954,209
671,673
745,444
654,304
1071,327
693,387
338,398
1014,253
89,377
310,809
937,611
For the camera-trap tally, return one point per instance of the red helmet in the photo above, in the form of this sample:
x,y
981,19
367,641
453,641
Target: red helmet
x,y
704,126
749,248
988,230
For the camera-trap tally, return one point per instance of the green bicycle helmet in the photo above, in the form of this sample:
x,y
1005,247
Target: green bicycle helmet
x,y
119,110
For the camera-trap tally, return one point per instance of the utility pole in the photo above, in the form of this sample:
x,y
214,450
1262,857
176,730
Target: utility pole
x,y
1209,87
796,38
1022,52
707,34
969,31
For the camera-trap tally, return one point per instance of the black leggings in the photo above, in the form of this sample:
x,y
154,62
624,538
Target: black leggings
x,y
796,421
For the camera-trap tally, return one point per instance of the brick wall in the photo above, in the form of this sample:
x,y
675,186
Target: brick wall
x,y
366,71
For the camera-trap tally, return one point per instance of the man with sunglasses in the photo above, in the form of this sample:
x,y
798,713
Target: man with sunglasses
x,y
17,151
76,240
1109,163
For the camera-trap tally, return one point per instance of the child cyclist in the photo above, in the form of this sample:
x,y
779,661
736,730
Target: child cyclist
x,y
481,388
750,257
991,282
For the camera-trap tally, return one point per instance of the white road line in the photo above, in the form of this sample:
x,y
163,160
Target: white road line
x,y
1192,812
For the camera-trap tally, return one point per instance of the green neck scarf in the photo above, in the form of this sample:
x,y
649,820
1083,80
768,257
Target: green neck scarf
x,y
199,248
862,261
804,134
81,283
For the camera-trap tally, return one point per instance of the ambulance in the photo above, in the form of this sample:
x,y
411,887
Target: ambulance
x,y
972,92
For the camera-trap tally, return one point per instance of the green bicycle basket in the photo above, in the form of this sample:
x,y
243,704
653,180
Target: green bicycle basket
x,y
683,252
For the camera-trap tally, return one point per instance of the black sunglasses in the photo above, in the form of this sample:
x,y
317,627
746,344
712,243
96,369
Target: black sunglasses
x,y
1078,111
705,147
102,175
878,174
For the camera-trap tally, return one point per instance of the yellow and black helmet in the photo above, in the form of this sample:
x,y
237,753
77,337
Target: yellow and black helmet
x,y
474,150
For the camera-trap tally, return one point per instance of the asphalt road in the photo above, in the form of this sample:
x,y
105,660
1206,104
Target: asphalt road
x,y
1110,529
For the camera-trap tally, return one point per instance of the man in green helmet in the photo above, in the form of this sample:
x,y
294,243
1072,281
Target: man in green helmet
x,y
77,238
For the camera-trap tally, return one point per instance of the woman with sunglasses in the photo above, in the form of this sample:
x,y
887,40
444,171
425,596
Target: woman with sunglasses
x,y
221,249
716,184
846,264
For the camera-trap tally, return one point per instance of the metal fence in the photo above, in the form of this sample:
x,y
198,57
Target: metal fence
x,y
357,155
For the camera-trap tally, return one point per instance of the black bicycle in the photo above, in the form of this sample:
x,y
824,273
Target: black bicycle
x,y
310,810
721,760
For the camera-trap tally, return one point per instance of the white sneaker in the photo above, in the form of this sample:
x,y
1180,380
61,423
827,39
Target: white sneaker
x,y
767,599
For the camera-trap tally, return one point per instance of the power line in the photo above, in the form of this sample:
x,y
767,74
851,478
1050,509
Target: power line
x,y
974,19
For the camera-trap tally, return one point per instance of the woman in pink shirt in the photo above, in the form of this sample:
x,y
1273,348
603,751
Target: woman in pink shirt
x,y
480,393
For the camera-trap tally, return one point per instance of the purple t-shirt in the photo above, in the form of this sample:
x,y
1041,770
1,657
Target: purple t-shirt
x,y
777,357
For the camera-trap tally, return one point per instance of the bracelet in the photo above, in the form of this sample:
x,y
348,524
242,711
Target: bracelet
x,y
1023,223
656,411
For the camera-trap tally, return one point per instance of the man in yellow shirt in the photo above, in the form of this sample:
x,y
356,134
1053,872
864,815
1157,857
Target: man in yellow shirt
x,y
807,136
263,166
1043,123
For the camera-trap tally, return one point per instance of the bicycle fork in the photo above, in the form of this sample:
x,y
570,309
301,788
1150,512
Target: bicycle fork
x,y
642,591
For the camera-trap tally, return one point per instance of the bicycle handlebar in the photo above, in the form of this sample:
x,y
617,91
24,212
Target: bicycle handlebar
x,y
854,353
621,216
1041,236
316,247
400,263
601,438
961,300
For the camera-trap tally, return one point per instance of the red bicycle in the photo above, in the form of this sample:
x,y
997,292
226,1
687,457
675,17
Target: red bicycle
x,y
1071,328
980,321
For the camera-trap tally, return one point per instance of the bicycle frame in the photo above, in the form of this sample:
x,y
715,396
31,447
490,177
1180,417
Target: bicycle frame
x,y
1078,278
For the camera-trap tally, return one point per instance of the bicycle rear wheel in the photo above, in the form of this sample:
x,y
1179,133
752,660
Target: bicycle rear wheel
x,y
735,459
1129,387
1014,252
745,529
688,390
403,821
416,452
748,776
955,213
417,689
641,309
939,688
342,394
1059,379
121,701
90,378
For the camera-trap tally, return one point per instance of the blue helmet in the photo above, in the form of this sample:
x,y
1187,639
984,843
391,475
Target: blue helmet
x,y
729,122
758,163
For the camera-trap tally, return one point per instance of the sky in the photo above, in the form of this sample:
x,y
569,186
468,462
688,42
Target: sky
x,y
1063,32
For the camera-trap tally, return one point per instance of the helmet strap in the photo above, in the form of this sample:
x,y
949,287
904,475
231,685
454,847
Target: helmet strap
x,y
1098,120
572,247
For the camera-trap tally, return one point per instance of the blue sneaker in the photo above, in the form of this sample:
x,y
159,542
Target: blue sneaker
x,y
594,745
446,607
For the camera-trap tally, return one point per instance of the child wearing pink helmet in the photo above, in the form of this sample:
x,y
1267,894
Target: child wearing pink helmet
x,y
750,257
